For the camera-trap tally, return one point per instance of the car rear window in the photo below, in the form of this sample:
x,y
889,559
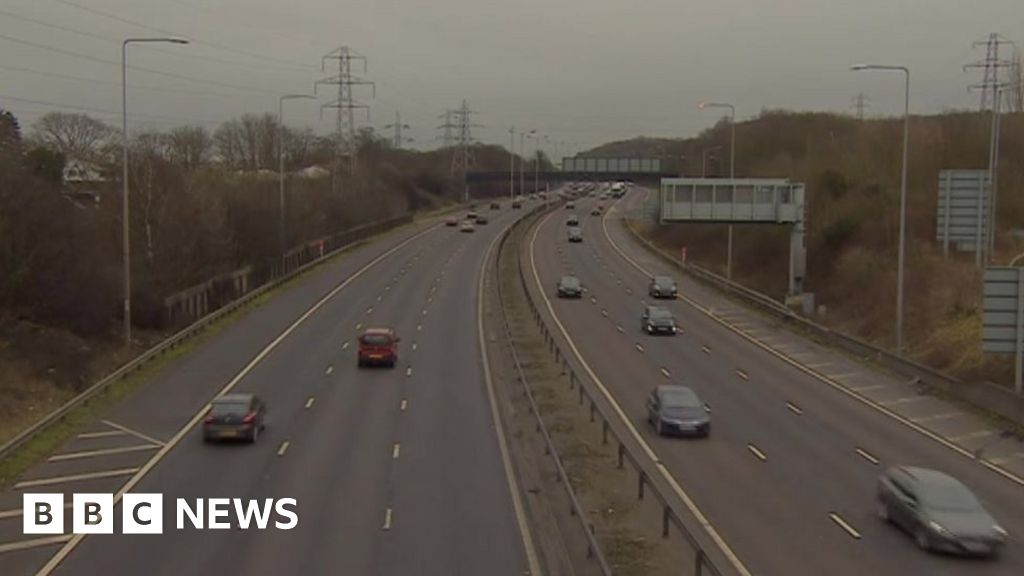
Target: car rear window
x,y
229,409
570,282
376,339
663,281
660,313
680,399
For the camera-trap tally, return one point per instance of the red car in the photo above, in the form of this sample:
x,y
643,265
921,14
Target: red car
x,y
378,346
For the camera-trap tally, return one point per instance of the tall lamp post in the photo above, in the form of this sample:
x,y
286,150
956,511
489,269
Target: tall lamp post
x,y
512,163
125,226
280,162
522,159
903,194
732,169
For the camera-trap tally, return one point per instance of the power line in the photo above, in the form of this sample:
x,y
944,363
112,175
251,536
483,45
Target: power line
x,y
116,41
102,111
133,67
234,22
114,84
94,11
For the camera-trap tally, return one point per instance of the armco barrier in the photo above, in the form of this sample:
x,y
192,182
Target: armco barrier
x,y
702,563
593,546
986,396
344,240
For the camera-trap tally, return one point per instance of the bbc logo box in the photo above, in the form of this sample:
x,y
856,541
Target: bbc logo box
x,y
92,514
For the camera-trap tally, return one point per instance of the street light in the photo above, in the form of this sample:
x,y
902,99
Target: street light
x,y
512,163
280,161
903,194
125,228
522,158
732,170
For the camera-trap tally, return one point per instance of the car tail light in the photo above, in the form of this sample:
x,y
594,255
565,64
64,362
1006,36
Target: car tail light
x,y
209,419
249,418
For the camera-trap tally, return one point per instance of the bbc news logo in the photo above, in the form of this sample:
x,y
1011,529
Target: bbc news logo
x,y
144,514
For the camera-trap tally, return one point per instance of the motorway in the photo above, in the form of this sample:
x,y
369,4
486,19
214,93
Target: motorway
x,y
787,477
396,471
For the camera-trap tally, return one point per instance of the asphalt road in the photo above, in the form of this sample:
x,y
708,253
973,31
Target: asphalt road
x,y
396,471
788,474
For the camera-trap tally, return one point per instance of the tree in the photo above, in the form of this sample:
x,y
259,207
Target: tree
x,y
77,136
45,164
189,147
10,135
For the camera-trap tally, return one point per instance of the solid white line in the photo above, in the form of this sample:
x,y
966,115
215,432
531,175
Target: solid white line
x,y
309,403
283,448
533,562
844,525
75,478
628,422
757,452
107,434
794,408
845,389
34,543
57,558
387,519
867,456
135,433
103,452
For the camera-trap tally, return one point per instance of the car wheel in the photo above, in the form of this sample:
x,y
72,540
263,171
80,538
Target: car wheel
x,y
921,538
883,512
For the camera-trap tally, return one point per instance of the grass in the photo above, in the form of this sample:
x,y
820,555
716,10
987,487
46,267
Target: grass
x,y
51,438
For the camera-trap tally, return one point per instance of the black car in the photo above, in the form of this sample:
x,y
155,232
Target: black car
x,y
570,287
570,205
662,287
677,411
517,203
481,219
938,511
234,417
657,320
495,206
575,234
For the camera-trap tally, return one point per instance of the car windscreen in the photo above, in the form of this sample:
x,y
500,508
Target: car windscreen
x,y
375,340
229,409
950,498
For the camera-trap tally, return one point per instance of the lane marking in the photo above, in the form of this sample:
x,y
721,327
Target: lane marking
x,y
844,525
867,456
626,420
139,473
593,300
419,327
379,298
424,311
329,370
408,371
283,448
75,478
395,450
639,348
369,310
742,374
843,388
794,408
387,519
359,326
34,543
705,349
135,433
757,452
604,312
106,434
404,405
532,559
414,345
344,346
666,373
620,329
309,403
104,452
868,387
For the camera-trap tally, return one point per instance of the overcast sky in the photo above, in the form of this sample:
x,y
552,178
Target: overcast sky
x,y
581,72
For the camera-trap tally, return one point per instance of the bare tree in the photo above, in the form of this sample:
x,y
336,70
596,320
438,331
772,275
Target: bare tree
x,y
10,135
77,136
189,147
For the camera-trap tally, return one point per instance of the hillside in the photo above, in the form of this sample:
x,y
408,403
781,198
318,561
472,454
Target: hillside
x,y
852,171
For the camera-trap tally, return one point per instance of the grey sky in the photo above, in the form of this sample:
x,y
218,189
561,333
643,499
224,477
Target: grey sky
x,y
583,72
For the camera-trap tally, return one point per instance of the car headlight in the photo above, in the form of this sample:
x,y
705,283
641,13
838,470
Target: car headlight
x,y
938,528
1000,531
